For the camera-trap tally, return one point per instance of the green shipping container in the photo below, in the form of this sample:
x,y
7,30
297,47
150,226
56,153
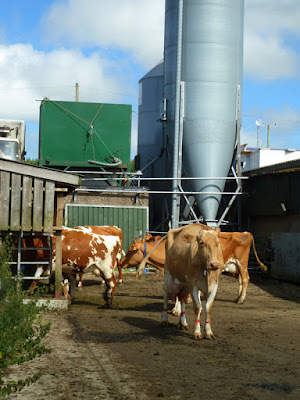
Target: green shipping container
x,y
71,133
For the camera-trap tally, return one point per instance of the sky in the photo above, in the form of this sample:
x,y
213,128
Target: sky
x,y
108,46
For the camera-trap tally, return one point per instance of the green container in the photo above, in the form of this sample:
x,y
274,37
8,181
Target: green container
x,y
71,133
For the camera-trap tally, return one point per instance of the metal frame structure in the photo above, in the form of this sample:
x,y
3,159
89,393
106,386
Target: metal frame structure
x,y
21,249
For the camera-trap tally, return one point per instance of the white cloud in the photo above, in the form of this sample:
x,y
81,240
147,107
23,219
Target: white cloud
x,y
272,17
269,25
268,59
27,75
134,26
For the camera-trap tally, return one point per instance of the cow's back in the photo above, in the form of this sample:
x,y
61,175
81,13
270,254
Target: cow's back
x,y
235,244
103,230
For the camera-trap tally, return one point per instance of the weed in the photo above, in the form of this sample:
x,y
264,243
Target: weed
x,y
21,325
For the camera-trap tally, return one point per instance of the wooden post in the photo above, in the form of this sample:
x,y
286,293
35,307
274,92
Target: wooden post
x,y
77,92
58,264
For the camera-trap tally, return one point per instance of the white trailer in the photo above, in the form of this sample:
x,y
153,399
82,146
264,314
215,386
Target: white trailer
x,y
12,139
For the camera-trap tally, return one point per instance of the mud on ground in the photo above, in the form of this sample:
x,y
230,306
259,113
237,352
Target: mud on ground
x,y
123,352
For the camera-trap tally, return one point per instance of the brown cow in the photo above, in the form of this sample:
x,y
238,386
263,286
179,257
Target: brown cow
x,y
104,230
82,252
235,248
138,250
194,263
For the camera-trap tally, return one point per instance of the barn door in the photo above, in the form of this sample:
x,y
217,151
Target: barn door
x,y
132,220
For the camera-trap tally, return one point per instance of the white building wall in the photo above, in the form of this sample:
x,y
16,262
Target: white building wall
x,y
264,157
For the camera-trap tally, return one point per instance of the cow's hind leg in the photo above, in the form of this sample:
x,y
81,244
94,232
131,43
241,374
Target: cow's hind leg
x,y
182,320
164,314
243,284
110,288
120,272
177,308
80,281
197,309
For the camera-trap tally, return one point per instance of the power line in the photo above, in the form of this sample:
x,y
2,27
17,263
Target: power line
x,y
61,87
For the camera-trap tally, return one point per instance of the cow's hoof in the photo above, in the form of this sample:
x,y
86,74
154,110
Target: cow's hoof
x,y
164,323
120,281
209,336
183,327
198,336
239,300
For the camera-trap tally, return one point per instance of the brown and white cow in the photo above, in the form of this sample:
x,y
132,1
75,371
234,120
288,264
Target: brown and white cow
x,y
104,230
84,251
194,263
235,248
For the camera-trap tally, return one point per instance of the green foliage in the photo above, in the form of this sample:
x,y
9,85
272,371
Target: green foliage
x,y
32,161
21,325
132,166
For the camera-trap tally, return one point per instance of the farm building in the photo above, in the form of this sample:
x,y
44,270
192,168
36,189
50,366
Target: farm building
x,y
32,204
269,209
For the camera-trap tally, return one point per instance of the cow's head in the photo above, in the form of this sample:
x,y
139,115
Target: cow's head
x,y
134,255
209,249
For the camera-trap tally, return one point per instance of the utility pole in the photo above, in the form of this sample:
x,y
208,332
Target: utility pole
x,y
77,92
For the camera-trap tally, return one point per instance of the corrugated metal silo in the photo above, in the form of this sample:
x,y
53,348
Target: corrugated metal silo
x,y
212,47
150,130
153,161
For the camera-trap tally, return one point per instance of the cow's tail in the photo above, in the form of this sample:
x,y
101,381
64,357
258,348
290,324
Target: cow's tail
x,y
142,266
262,266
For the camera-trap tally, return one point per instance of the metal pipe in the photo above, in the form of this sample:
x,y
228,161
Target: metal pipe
x,y
175,214
147,191
168,179
103,164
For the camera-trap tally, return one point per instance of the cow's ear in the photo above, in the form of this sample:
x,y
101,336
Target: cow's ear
x,y
199,238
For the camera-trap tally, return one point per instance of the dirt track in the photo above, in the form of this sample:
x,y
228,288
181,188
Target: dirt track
x,y
123,352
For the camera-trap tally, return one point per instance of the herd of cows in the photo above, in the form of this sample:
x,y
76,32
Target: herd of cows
x,y
190,258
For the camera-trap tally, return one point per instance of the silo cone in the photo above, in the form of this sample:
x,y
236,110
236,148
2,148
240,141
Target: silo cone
x,y
212,58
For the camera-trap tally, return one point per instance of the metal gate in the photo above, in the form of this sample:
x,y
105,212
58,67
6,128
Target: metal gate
x,y
132,220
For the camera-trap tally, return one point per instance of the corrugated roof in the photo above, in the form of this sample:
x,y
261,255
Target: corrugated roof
x,y
287,166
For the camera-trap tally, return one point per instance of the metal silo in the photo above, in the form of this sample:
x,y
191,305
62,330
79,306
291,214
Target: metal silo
x,y
211,67
151,146
150,129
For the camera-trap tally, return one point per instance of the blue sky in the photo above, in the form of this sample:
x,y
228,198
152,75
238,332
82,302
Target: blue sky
x,y
107,46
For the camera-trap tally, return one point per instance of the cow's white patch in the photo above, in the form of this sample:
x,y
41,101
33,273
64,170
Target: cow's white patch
x,y
39,272
231,266
211,297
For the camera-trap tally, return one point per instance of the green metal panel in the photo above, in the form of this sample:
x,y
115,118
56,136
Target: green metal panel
x,y
71,133
132,220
